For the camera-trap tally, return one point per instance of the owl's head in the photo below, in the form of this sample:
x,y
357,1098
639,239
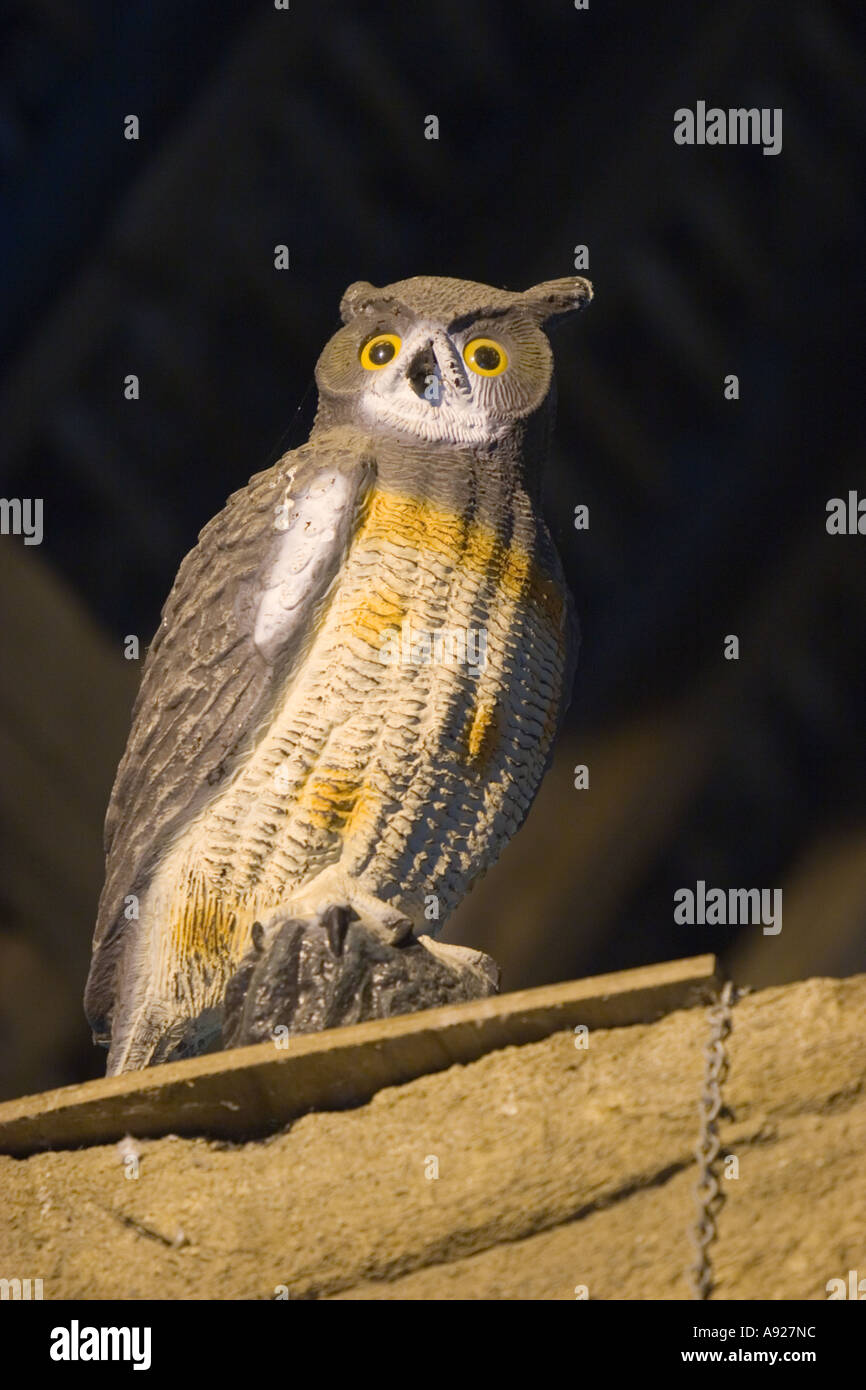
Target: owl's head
x,y
441,360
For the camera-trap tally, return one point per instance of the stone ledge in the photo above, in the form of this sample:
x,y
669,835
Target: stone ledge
x,y
249,1091
557,1167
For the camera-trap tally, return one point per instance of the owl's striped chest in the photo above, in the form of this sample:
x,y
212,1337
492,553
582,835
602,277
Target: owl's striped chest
x,y
408,745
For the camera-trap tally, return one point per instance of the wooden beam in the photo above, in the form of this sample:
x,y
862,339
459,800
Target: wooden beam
x,y
250,1091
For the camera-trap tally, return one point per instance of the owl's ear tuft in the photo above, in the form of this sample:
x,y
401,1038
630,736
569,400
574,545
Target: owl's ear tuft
x,y
356,298
554,299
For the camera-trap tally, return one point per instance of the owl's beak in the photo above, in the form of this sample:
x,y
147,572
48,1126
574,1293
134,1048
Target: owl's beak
x,y
422,367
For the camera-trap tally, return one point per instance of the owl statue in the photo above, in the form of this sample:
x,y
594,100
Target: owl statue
x,y
359,673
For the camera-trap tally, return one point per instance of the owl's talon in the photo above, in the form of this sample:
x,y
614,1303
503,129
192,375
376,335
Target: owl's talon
x,y
465,960
336,921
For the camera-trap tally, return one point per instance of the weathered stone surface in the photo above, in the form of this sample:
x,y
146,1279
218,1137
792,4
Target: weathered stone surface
x,y
557,1167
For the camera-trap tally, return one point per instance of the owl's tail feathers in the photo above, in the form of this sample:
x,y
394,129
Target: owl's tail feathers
x,y
307,974
153,1035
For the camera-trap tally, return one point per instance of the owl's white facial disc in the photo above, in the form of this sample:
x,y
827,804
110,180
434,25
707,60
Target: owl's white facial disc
x,y
428,392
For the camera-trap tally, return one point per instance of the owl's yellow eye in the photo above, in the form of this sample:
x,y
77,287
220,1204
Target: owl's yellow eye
x,y
379,351
485,357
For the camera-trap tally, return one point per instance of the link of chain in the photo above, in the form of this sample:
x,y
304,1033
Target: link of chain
x,y
708,1197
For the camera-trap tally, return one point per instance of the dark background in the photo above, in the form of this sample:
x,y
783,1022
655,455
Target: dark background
x,y
707,517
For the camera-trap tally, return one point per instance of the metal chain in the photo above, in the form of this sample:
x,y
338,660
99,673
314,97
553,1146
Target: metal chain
x,y
708,1198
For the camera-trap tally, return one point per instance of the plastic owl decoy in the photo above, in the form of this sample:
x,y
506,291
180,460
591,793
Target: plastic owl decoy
x,y
359,673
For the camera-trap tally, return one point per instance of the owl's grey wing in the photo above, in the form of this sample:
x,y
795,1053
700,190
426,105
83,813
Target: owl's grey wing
x,y
244,606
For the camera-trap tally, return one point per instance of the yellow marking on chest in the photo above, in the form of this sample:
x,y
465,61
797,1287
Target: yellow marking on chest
x,y
481,733
329,798
465,545
207,924
376,614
